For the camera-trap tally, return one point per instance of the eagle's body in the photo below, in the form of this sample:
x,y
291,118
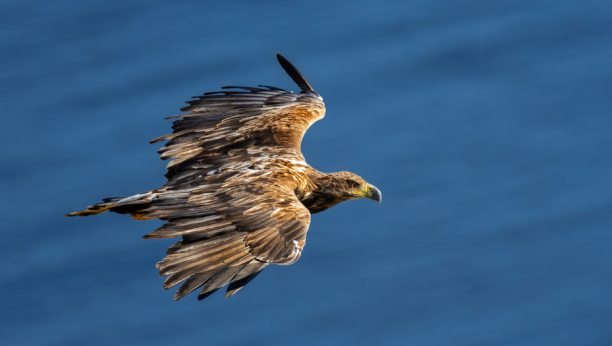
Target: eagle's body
x,y
239,191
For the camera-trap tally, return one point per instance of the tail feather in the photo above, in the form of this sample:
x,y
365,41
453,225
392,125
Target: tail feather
x,y
122,205
92,210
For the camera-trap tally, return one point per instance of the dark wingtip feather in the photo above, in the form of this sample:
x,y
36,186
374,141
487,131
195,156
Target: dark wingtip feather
x,y
87,212
237,285
294,74
271,87
193,283
251,89
205,295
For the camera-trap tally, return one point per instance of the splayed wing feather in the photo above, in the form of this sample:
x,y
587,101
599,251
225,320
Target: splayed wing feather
x,y
244,276
221,279
193,283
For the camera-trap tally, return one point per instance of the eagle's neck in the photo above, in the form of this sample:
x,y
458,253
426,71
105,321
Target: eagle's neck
x,y
320,193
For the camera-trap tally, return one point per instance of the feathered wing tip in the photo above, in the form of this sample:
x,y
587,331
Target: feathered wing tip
x,y
294,74
248,273
122,205
94,209
87,212
237,277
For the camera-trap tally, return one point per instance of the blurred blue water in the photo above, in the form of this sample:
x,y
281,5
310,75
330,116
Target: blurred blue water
x,y
485,124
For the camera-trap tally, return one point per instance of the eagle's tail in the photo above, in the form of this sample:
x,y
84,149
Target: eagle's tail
x,y
122,205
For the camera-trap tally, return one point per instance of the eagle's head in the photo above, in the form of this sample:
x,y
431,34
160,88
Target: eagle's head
x,y
351,186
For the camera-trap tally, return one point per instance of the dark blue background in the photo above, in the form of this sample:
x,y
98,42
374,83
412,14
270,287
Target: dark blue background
x,y
486,125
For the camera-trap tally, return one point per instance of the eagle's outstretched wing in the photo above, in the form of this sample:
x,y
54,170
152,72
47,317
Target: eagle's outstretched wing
x,y
226,123
232,233
230,190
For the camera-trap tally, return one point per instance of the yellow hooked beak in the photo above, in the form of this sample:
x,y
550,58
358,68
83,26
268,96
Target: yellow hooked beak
x,y
370,192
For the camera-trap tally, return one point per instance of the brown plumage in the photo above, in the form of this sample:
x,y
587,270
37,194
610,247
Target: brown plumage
x,y
239,191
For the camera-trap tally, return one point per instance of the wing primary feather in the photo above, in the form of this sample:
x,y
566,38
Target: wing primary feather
x,y
205,295
294,74
271,87
248,273
219,280
192,284
243,87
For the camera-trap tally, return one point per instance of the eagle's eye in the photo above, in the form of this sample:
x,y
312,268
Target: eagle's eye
x,y
352,184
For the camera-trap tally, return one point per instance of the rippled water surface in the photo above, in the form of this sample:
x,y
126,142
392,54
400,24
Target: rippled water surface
x,y
486,125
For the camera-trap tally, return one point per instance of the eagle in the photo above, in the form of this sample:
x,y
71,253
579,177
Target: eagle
x,y
239,191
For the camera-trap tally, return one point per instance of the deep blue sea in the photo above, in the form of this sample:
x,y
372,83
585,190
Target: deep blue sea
x,y
487,125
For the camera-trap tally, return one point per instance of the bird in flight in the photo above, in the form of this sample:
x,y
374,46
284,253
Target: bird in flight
x,y
239,191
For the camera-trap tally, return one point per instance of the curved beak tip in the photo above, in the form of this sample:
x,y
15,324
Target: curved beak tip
x,y
375,194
